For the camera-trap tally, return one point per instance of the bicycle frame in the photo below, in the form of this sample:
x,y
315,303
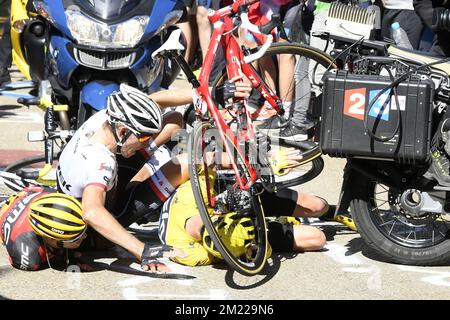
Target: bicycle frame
x,y
236,66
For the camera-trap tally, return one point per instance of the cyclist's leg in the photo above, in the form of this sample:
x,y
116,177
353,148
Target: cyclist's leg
x,y
286,76
288,202
288,237
149,189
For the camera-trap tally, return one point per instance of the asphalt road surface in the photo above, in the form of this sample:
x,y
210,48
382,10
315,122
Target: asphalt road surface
x,y
346,269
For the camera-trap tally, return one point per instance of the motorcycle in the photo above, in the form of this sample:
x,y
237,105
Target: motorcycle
x,y
79,51
384,111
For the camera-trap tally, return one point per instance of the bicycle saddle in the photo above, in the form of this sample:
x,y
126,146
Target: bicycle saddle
x,y
420,57
172,44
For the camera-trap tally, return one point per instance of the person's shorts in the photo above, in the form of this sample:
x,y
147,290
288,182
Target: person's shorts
x,y
280,203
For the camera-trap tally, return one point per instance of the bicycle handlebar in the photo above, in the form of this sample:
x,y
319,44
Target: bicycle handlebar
x,y
238,7
255,29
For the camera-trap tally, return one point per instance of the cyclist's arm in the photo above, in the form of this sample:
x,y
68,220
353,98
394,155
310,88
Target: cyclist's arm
x,y
96,216
172,98
178,97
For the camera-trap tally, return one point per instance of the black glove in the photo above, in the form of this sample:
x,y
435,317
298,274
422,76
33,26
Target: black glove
x,y
150,255
225,92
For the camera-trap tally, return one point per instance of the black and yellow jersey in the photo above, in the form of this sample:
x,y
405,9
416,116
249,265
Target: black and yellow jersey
x,y
175,212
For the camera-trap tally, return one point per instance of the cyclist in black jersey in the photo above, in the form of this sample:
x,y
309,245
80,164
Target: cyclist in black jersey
x,y
36,225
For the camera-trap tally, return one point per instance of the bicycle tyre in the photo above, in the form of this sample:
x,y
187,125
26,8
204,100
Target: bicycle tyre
x,y
27,162
325,61
256,264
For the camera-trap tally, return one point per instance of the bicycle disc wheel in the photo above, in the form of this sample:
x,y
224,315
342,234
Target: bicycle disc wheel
x,y
303,88
32,164
215,180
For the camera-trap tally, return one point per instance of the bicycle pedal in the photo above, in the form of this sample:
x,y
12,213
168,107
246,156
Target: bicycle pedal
x,y
347,221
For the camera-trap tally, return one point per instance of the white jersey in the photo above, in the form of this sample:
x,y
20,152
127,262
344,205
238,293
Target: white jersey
x,y
83,162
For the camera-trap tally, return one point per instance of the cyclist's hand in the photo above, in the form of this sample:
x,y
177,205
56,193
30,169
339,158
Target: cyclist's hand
x,y
243,89
283,160
83,266
150,255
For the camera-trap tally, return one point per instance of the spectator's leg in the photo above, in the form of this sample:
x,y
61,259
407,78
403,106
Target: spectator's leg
x,y
302,94
306,73
286,82
316,72
5,49
204,25
186,29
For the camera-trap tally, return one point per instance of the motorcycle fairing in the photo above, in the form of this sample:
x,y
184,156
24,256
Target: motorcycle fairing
x,y
56,11
159,12
148,71
111,11
96,93
62,62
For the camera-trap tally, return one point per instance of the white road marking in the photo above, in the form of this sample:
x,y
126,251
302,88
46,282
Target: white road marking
x,y
339,254
357,270
353,264
214,294
438,278
21,117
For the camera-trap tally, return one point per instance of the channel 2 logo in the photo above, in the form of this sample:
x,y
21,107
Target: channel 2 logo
x,y
356,101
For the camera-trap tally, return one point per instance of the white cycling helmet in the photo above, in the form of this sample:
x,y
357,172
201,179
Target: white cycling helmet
x,y
134,109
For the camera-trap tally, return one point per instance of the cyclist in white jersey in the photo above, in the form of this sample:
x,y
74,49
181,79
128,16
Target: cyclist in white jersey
x,y
88,169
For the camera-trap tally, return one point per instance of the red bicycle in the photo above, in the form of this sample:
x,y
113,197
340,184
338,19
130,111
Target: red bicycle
x,y
229,164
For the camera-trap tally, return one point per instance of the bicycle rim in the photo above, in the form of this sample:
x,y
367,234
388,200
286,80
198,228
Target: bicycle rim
x,y
33,163
307,171
247,264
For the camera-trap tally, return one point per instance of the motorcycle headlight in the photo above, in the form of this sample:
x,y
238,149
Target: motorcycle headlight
x,y
130,32
89,32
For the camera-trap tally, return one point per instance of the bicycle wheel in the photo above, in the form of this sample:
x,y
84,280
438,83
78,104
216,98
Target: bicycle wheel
x,y
216,181
303,88
28,166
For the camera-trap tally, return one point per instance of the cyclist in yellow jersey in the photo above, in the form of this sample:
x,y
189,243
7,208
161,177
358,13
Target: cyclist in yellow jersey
x,y
181,226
